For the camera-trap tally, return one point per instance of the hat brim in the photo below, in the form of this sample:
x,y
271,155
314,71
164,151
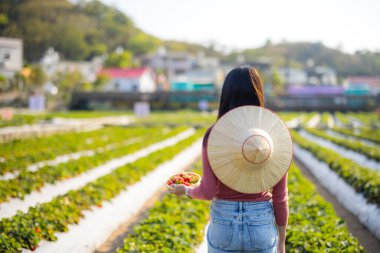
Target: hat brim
x,y
224,149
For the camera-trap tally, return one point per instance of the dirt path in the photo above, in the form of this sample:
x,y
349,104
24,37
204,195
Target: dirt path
x,y
116,239
370,243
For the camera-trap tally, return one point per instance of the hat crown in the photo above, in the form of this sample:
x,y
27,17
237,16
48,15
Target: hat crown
x,y
257,147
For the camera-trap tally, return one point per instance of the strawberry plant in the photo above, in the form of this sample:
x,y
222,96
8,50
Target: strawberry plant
x,y
56,215
177,224
19,154
363,180
173,225
363,133
313,225
28,181
369,151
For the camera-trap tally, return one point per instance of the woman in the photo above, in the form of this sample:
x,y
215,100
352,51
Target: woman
x,y
242,87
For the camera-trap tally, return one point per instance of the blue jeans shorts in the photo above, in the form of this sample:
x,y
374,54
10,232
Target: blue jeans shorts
x,y
238,226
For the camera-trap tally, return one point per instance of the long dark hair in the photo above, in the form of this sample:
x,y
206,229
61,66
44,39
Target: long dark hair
x,y
242,86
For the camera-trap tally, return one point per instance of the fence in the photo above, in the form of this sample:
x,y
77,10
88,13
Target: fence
x,y
183,99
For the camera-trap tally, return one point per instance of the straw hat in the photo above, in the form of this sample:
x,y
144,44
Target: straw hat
x,y
250,149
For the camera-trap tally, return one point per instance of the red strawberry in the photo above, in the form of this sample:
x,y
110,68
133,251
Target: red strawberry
x,y
179,181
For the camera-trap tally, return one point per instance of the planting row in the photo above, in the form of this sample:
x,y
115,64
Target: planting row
x,y
87,114
360,159
363,180
286,116
366,118
28,119
19,120
342,117
28,181
369,151
306,117
363,133
327,119
177,224
189,118
313,225
357,118
25,230
173,225
17,155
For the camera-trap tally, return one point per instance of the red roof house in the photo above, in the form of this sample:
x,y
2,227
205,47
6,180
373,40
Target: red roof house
x,y
130,79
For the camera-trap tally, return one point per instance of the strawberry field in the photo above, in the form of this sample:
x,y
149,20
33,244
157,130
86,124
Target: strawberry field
x,y
102,190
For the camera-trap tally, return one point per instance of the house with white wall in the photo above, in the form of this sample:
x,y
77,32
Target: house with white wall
x,y
10,56
130,79
52,64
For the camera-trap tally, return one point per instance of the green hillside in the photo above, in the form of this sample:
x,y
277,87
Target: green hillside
x,y
81,31
297,54
78,32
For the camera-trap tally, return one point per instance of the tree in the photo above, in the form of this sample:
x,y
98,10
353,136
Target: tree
x,y
78,32
119,60
67,82
35,77
18,83
98,50
143,43
277,83
100,81
4,86
3,19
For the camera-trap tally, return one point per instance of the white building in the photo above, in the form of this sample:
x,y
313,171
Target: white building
x,y
198,79
173,63
319,75
326,75
130,79
205,62
178,63
293,76
52,64
10,56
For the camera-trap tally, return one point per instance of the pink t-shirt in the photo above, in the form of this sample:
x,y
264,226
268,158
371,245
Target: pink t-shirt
x,y
211,187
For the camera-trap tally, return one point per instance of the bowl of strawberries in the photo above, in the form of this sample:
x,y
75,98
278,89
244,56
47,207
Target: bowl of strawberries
x,y
189,179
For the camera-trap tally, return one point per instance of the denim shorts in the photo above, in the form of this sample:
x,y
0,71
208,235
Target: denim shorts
x,y
238,226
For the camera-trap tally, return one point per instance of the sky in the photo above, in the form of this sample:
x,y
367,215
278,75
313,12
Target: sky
x,y
238,24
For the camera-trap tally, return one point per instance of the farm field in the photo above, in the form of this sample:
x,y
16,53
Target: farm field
x,y
55,189
27,119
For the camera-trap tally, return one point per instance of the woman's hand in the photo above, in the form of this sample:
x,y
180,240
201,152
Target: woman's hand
x,y
178,189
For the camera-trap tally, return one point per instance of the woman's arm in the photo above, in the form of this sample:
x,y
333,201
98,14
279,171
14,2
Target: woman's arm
x,y
207,189
280,201
281,239
281,210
